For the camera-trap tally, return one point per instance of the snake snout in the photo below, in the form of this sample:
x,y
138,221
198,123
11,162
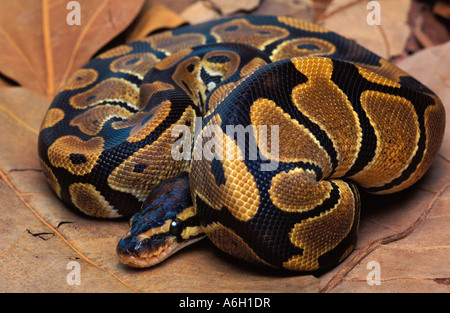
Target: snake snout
x,y
129,246
142,253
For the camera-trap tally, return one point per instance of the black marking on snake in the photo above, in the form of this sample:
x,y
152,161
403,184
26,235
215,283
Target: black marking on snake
x,y
346,77
139,168
412,83
190,68
133,61
310,47
90,98
231,28
123,104
207,78
219,59
201,103
349,50
77,158
218,172
187,87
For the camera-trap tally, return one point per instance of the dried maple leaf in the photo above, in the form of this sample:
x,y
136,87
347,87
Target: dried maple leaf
x,y
41,47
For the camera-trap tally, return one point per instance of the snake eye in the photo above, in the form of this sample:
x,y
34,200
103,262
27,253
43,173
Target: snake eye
x,y
176,227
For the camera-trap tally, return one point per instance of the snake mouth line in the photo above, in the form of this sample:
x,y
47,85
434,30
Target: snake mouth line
x,y
153,259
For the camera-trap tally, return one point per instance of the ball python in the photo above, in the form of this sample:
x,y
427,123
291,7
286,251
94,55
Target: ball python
x,y
253,131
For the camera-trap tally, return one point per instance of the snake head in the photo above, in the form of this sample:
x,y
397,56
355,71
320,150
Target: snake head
x,y
165,224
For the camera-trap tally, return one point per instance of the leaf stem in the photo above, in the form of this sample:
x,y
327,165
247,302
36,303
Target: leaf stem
x,y
48,49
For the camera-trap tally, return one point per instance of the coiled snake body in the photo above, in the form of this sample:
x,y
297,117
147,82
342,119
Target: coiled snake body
x,y
253,130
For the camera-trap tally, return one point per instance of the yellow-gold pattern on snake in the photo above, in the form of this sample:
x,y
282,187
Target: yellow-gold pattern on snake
x,y
278,123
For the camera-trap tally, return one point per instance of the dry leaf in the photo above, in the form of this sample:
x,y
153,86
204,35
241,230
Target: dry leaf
x,y
40,49
442,8
299,9
199,12
177,5
153,16
227,7
349,18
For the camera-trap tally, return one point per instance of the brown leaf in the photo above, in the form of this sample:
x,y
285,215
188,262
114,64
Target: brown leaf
x,y
40,49
153,16
442,8
227,7
199,12
300,9
349,18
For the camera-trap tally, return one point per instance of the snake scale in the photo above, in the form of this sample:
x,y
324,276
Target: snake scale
x,y
254,131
